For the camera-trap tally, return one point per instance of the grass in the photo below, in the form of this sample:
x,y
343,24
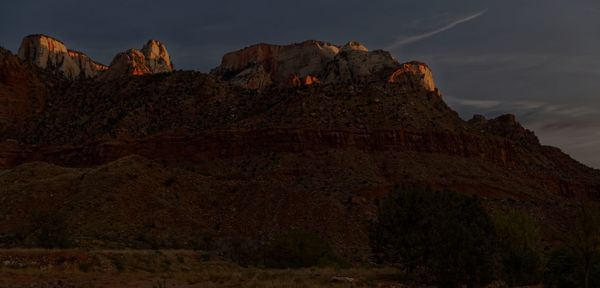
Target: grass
x,y
169,268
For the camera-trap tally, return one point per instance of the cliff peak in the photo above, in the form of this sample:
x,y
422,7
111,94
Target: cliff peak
x,y
152,58
354,46
505,126
157,56
53,55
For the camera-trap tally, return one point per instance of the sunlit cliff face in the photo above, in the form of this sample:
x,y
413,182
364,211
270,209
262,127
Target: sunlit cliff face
x,y
311,62
415,68
88,65
157,57
49,53
152,58
53,55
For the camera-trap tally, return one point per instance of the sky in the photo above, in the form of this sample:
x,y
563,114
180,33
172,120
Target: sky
x,y
538,59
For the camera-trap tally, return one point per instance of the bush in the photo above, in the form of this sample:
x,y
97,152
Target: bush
x,y
52,233
443,234
565,270
577,263
298,249
245,252
562,269
519,248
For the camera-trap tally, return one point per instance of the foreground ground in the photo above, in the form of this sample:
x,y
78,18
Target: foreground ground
x,y
167,268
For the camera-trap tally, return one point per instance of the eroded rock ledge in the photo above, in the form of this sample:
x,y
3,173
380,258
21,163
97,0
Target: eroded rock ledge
x,y
310,62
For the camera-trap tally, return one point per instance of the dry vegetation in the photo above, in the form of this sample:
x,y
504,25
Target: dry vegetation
x,y
166,268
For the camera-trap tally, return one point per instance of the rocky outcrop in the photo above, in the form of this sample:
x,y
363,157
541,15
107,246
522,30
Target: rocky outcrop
x,y
263,65
505,126
354,64
88,67
354,46
308,80
23,93
157,57
151,59
312,62
411,69
53,55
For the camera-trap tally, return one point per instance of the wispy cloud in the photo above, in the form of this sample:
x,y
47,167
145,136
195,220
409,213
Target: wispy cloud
x,y
483,104
415,38
526,106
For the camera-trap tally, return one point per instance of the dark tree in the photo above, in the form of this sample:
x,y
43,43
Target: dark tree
x,y
519,248
443,234
586,239
297,249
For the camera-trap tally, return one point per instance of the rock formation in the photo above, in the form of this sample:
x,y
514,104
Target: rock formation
x,y
22,92
505,126
354,64
230,162
414,68
263,65
311,62
88,67
152,58
52,54
157,57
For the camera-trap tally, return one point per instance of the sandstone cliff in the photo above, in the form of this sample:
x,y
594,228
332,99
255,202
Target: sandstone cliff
x,y
152,58
157,57
419,69
263,65
311,62
49,53
23,92
224,161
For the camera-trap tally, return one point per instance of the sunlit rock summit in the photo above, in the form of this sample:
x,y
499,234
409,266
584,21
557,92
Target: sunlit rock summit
x,y
53,55
152,58
49,53
310,135
310,62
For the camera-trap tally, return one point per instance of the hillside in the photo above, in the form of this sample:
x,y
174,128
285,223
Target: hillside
x,y
182,159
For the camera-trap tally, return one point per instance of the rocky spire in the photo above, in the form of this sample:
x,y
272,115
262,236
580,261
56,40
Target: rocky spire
x,y
153,58
157,57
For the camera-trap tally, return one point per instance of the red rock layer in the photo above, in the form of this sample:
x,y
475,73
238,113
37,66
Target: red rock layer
x,y
23,92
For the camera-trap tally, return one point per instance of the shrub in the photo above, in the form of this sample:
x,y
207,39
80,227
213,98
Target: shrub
x,y
52,233
443,234
565,269
298,249
585,240
170,181
562,269
246,252
577,263
519,248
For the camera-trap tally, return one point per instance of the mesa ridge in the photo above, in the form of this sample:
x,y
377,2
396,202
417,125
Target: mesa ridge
x,y
303,136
